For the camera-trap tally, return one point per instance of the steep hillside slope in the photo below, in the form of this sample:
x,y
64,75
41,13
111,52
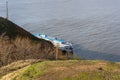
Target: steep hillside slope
x,y
18,44
8,28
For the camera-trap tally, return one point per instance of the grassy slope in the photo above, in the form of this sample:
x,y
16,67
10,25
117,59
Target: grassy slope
x,y
19,44
13,31
67,70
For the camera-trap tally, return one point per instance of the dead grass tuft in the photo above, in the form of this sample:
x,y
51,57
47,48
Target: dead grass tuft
x,y
17,65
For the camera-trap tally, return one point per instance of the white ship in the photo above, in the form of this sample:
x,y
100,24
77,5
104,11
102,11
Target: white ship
x,y
61,44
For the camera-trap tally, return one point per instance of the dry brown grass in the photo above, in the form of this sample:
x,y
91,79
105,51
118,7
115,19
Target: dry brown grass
x,y
17,65
67,70
59,70
22,49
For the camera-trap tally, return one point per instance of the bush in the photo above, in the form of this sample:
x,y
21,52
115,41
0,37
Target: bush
x,y
22,49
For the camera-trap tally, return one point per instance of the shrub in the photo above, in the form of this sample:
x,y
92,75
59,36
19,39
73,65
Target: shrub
x,y
22,49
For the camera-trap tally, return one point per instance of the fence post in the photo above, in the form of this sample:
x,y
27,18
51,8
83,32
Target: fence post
x,y
57,47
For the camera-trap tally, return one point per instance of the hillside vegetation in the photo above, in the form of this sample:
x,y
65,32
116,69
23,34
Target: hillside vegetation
x,y
11,30
18,44
23,49
67,70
